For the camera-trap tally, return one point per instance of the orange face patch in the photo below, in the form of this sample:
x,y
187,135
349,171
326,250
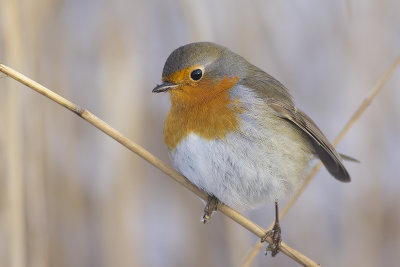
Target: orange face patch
x,y
183,76
202,107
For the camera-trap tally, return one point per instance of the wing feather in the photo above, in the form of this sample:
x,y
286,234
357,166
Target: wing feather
x,y
323,148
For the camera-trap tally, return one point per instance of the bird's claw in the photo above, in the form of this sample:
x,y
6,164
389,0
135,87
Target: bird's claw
x,y
275,235
210,207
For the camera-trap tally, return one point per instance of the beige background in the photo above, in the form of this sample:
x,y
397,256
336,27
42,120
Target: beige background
x,y
71,196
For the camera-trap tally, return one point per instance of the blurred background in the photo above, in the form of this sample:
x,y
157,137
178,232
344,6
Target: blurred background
x,y
71,196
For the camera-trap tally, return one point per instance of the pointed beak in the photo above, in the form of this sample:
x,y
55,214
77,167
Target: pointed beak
x,y
165,86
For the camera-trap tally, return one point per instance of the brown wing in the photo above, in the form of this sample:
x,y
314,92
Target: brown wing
x,y
323,148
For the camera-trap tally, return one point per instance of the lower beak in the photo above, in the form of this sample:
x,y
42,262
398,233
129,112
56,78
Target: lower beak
x,y
165,86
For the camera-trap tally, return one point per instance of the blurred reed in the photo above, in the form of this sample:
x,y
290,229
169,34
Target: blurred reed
x,y
13,133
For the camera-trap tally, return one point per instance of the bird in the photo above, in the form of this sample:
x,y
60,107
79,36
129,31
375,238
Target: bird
x,y
235,132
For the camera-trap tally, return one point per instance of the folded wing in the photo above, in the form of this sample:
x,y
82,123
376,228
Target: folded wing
x,y
323,148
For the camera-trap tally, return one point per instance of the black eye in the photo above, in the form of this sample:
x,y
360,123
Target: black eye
x,y
196,74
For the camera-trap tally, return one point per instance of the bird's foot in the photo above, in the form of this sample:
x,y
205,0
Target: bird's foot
x,y
210,207
275,235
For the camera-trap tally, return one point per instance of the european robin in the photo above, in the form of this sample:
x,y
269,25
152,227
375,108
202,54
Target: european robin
x,y
234,131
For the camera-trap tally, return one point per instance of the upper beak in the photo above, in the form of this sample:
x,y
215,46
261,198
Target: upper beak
x,y
163,87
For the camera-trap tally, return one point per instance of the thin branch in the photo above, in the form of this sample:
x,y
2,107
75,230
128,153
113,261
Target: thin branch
x,y
363,106
107,129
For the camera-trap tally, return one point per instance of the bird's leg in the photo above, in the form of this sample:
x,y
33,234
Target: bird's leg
x,y
275,235
210,207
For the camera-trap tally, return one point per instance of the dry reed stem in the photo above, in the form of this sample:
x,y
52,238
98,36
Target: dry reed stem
x,y
356,115
140,151
16,236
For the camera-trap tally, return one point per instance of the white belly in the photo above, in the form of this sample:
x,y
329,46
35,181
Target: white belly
x,y
247,168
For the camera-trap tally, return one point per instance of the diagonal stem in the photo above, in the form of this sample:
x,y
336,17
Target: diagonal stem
x,y
140,151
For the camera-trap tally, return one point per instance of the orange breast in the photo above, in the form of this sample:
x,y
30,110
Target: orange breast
x,y
204,108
